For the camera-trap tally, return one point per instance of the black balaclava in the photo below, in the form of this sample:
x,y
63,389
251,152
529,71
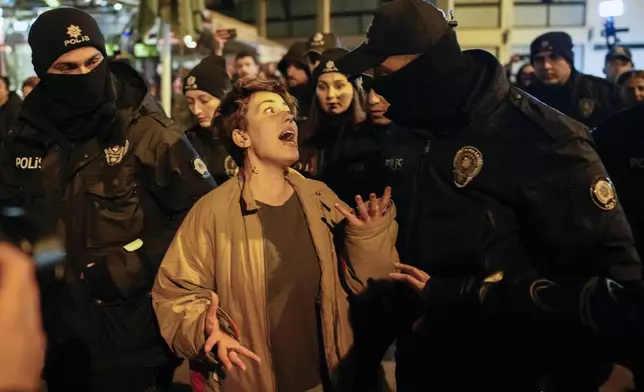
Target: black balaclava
x,y
434,88
75,104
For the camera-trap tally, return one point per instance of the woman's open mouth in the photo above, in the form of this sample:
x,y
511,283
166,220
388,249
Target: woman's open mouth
x,y
289,137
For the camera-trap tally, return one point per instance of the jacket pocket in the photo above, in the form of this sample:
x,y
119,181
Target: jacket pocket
x,y
117,275
114,215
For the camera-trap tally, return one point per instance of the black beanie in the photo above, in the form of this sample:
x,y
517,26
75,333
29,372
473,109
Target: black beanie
x,y
59,31
210,76
327,62
556,42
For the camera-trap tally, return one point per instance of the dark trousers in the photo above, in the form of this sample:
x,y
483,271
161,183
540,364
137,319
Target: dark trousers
x,y
67,370
126,380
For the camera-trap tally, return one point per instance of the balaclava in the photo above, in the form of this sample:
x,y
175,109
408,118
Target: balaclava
x,y
434,88
55,33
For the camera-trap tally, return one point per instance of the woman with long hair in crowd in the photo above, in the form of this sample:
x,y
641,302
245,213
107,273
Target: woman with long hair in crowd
x,y
340,143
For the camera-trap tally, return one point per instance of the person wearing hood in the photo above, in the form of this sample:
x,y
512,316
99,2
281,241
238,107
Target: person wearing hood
x,y
515,235
94,152
588,99
10,104
204,88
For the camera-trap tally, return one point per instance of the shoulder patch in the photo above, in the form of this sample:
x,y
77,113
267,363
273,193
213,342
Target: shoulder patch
x,y
603,194
200,167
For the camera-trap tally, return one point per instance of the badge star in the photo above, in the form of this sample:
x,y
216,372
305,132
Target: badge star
x,y
74,31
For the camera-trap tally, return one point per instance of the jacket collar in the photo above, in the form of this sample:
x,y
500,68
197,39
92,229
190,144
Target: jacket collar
x,y
303,187
490,91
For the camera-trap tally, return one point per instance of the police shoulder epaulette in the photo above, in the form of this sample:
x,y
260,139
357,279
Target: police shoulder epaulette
x,y
557,125
162,119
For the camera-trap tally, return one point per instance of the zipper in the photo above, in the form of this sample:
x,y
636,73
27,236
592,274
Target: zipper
x,y
414,210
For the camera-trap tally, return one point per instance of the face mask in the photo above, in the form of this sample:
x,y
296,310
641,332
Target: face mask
x,y
79,92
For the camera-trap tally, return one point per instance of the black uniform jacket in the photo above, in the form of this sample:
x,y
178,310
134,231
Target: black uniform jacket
x,y
516,188
211,148
586,98
117,200
619,144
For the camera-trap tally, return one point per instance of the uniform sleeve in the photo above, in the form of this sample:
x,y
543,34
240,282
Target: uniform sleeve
x,y
182,290
569,208
176,178
179,175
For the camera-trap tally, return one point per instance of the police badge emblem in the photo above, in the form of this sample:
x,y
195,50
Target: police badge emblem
x,y
230,166
330,67
586,107
114,154
200,167
468,162
191,83
603,194
318,40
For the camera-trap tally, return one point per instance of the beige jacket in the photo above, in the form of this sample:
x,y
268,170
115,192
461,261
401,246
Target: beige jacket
x,y
220,247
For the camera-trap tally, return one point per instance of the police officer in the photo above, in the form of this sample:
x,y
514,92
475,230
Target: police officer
x,y
585,98
514,233
618,143
618,60
118,177
294,66
319,43
204,88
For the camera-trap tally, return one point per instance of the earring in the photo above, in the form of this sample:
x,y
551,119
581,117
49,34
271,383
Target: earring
x,y
255,170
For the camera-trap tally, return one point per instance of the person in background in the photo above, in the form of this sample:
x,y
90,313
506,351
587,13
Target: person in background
x,y
318,44
246,65
524,76
28,85
618,60
10,104
295,69
256,260
334,142
204,88
116,177
632,85
558,84
22,337
180,110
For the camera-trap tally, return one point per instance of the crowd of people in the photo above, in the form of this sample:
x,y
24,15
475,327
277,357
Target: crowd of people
x,y
315,213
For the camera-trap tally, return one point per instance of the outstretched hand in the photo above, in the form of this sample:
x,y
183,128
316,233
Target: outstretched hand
x,y
228,349
367,216
412,276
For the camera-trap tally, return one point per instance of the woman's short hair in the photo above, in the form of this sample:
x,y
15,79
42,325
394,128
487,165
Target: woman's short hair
x,y
233,109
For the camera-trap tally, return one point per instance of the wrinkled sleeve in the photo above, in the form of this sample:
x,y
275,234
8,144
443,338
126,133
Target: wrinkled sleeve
x,y
369,252
178,177
570,207
182,290
175,180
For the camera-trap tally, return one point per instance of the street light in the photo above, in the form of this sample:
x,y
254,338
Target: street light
x,y
118,6
609,9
